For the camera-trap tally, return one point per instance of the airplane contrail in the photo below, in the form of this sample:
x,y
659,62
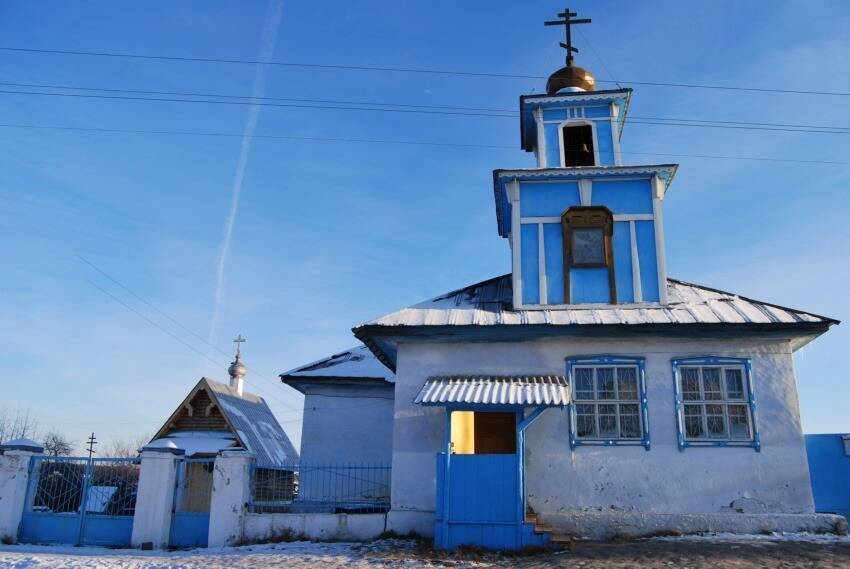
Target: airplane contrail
x,y
268,41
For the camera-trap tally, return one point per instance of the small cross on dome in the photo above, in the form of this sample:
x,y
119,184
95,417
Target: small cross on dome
x,y
567,21
238,341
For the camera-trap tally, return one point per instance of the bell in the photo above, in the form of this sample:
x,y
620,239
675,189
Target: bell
x,y
584,147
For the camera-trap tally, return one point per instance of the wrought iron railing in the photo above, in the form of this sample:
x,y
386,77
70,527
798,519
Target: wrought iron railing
x,y
334,488
72,485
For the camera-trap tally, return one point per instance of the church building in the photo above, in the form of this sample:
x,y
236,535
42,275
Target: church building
x,y
587,392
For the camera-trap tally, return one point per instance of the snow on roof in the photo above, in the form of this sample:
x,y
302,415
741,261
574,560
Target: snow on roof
x,y
255,425
356,363
489,304
197,442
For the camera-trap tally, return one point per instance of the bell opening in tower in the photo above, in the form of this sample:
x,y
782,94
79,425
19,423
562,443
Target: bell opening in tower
x,y
578,145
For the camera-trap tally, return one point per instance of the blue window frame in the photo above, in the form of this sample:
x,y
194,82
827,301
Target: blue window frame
x,y
715,402
608,404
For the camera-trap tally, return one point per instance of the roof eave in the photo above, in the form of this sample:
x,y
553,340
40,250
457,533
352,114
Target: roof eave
x,y
368,333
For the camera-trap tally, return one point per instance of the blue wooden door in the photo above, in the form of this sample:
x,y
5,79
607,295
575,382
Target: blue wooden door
x,y
478,501
190,518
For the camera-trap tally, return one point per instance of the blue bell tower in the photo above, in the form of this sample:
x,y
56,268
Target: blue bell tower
x,y
584,229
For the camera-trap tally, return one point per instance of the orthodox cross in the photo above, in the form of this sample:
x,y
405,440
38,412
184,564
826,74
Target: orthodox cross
x,y
92,441
567,21
238,341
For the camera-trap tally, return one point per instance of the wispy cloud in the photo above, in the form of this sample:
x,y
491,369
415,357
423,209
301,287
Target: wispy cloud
x,y
274,14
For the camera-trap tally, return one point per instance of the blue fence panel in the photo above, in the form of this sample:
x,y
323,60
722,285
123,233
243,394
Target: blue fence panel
x,y
80,501
829,468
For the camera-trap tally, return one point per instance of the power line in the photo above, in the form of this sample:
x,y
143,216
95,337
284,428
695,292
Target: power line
x,y
251,97
449,72
599,58
177,338
399,142
659,121
251,100
253,103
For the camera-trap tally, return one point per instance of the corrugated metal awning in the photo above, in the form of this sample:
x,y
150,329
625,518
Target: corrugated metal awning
x,y
523,390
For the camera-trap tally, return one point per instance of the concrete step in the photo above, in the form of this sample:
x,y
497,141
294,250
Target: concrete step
x,y
561,538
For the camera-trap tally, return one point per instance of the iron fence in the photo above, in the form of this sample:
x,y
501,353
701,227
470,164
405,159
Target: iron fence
x,y
332,488
73,485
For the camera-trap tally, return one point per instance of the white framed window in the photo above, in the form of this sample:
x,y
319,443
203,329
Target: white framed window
x,y
715,402
609,401
579,143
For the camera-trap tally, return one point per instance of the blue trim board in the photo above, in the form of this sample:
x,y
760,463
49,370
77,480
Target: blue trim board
x,y
529,248
553,250
645,235
677,363
610,360
623,278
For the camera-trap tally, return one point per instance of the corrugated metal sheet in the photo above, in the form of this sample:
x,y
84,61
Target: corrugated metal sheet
x,y
255,424
356,363
489,303
529,390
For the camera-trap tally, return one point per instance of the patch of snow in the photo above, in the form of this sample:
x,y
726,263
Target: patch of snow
x,y
296,555
357,362
197,442
770,537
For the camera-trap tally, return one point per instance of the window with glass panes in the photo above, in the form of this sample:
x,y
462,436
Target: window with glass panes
x,y
715,403
607,403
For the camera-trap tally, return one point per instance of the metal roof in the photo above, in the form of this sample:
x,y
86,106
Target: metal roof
x,y
357,363
524,390
489,305
248,418
255,424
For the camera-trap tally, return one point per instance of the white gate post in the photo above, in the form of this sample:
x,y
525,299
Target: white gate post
x,y
231,493
14,477
155,497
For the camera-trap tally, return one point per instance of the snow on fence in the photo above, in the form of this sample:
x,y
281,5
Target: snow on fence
x,y
320,488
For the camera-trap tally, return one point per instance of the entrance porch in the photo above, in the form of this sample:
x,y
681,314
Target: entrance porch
x,y
480,493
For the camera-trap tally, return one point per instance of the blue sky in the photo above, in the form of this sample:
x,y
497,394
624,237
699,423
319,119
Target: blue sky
x,y
329,234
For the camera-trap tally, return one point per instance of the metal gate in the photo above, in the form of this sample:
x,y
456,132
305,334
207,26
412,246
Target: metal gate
x,y
190,518
80,501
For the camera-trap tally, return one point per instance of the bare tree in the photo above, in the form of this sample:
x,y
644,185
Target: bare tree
x,y
127,447
55,444
19,424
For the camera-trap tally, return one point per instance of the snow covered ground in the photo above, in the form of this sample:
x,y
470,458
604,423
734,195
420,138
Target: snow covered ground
x,y
295,555
713,551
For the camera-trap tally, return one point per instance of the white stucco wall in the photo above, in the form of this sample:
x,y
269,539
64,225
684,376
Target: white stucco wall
x,y
14,476
155,499
347,425
321,527
631,479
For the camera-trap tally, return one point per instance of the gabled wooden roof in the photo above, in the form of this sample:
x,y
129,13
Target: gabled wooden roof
x,y
247,417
